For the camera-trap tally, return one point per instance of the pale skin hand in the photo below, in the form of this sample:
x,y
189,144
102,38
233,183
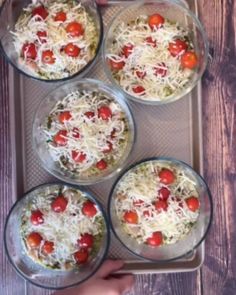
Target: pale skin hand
x,y
104,282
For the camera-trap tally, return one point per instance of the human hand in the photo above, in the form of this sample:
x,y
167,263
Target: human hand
x,y
104,282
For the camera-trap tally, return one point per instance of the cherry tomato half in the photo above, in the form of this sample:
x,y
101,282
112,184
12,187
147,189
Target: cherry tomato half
x,y
89,114
72,50
164,193
131,217
48,57
75,132
116,65
138,89
127,50
150,41
64,116
140,74
160,70
60,16
60,138
34,240
40,11
75,29
36,217
156,21
155,240
108,148
101,165
78,157
104,112
177,47
48,247
161,205
189,60
193,203
42,35
86,241
166,176
29,50
59,204
89,209
81,256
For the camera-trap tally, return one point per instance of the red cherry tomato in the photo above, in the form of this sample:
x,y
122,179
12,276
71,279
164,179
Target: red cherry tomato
x,y
72,50
81,256
161,205
131,217
48,247
156,21
177,47
42,35
86,241
164,193
89,114
64,116
140,74
89,209
160,69
108,148
138,203
138,89
78,157
59,204
29,50
101,165
166,176
40,11
75,132
104,112
36,217
189,60
127,50
48,57
60,16
116,65
60,138
193,203
150,41
156,239
75,29
34,240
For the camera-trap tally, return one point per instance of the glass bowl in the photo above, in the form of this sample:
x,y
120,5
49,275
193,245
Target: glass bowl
x,y
183,247
174,11
9,13
34,272
41,147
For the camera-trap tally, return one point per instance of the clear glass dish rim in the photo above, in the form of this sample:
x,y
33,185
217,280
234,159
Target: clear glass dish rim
x,y
185,90
160,159
92,198
81,72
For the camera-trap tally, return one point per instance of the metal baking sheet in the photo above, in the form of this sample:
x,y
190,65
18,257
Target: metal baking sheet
x,y
171,130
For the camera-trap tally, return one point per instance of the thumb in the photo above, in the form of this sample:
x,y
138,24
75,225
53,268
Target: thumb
x,y
108,267
124,283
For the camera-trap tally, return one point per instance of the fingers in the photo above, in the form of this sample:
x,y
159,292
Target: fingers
x,y
102,2
123,284
108,267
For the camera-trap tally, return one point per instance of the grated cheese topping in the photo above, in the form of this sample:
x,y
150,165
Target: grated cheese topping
x,y
95,134
26,29
143,183
164,75
63,229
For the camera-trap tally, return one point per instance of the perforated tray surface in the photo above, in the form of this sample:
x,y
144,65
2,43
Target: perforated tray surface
x,y
172,130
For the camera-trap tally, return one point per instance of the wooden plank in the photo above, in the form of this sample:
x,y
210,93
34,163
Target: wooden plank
x,y
219,270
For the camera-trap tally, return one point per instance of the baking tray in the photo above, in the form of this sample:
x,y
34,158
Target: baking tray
x,y
173,130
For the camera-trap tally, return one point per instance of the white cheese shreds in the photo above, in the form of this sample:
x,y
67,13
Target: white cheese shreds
x,y
161,74
26,29
142,184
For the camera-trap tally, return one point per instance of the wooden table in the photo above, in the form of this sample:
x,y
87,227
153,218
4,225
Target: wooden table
x,y
218,274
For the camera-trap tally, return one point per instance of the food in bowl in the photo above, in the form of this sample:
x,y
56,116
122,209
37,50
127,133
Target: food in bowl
x,y
157,203
151,57
55,39
86,133
62,228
